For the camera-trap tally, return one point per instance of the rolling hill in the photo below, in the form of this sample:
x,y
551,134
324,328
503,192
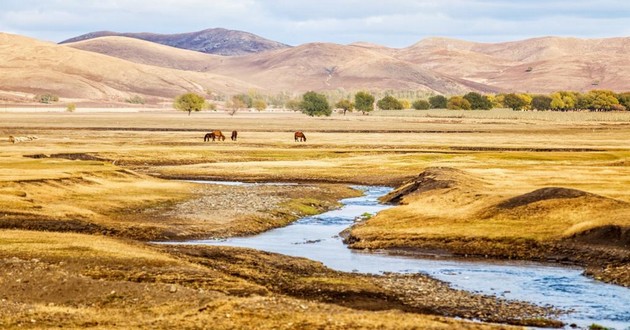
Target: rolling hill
x,y
211,41
115,67
32,66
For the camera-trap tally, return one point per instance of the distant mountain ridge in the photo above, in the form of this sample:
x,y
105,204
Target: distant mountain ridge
x,y
216,41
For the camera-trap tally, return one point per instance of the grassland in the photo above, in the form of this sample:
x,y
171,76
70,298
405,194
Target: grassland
x,y
483,189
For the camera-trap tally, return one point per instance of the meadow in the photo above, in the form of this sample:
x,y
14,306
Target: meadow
x,y
492,183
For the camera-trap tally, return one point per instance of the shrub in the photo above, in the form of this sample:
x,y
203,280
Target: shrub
x,y
438,102
389,103
136,99
71,107
421,105
458,103
46,98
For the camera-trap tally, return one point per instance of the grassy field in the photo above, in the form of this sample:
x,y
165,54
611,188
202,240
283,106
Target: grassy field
x,y
509,185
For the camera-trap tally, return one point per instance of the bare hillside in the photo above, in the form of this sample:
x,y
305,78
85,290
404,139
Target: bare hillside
x,y
211,41
533,65
145,52
32,66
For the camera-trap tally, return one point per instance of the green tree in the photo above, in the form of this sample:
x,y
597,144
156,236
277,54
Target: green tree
x,y
421,105
389,103
458,103
345,105
517,101
541,102
478,101
624,99
438,102
364,102
189,102
314,104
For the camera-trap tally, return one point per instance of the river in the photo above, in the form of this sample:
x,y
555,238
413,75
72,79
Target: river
x,y
317,238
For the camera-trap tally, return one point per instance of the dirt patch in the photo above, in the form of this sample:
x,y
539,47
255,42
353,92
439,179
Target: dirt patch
x,y
543,194
70,156
605,235
433,178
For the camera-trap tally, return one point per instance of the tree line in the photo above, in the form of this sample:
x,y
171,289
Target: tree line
x,y
318,104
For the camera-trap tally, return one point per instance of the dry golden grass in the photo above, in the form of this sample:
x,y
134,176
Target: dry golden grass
x,y
77,281
500,159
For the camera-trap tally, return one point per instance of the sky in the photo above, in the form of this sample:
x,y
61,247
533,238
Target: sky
x,y
393,23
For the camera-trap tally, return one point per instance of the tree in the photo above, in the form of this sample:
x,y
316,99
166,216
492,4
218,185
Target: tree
x,y
421,105
458,103
189,102
259,104
478,101
438,102
71,107
564,100
314,104
364,102
624,100
602,100
293,104
245,99
517,101
541,102
389,103
405,104
235,104
345,105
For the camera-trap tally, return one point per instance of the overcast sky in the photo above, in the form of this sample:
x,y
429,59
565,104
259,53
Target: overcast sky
x,y
395,23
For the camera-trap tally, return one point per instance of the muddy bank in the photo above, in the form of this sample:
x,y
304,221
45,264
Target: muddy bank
x,y
82,285
200,211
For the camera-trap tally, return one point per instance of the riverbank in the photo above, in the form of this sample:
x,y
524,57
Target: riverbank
x,y
450,210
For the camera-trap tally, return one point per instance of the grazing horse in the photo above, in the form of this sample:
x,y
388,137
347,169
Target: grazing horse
x,y
216,134
208,137
299,137
234,135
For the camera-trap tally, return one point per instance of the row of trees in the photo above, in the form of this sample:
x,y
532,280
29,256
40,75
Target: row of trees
x,y
317,104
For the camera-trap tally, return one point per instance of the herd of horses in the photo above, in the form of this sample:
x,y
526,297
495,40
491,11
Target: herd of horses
x,y
218,135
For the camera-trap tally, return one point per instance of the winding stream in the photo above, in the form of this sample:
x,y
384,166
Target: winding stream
x,y
316,238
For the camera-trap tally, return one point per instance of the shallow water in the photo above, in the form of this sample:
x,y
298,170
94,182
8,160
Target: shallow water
x,y
317,238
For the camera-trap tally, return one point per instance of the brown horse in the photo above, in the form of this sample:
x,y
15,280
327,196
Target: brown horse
x,y
216,134
299,137
234,135
208,137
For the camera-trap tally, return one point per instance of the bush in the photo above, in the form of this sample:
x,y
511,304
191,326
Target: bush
x,y
46,98
458,103
136,99
71,107
389,103
421,105
438,102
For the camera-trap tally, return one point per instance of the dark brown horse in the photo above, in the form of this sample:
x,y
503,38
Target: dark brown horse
x,y
234,135
299,137
216,134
